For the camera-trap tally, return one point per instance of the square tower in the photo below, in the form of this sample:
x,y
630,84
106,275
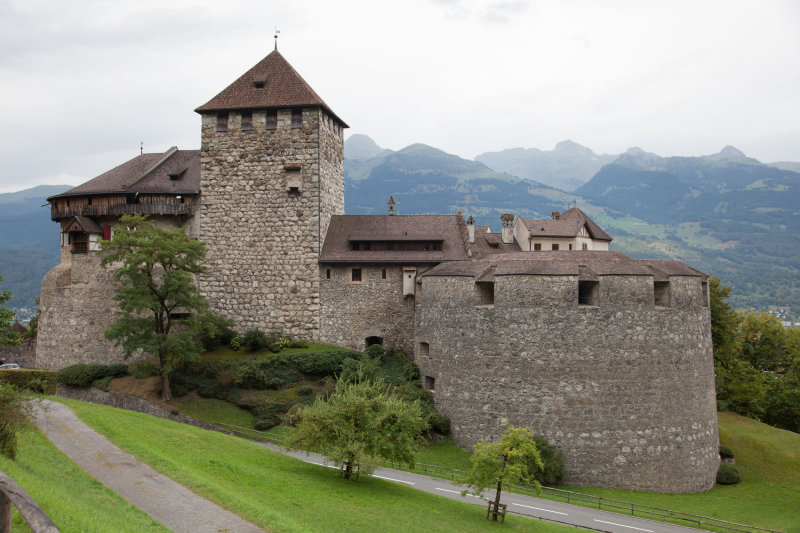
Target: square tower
x,y
272,175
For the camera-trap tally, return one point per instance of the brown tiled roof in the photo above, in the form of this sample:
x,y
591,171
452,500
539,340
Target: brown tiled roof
x,y
443,228
147,173
586,264
567,226
488,244
272,83
88,225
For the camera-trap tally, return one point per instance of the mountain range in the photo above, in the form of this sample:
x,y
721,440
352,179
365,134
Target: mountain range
x,y
726,214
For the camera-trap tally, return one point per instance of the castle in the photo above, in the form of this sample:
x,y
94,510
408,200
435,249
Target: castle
x,y
608,357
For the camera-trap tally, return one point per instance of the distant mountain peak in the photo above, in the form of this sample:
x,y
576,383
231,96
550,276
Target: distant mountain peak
x,y
360,146
731,151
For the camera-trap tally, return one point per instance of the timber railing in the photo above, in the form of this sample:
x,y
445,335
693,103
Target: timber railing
x,y
12,494
576,498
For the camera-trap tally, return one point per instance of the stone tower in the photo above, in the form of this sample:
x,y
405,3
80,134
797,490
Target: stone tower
x,y
272,175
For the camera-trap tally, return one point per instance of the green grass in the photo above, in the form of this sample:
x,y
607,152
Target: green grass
x,y
212,410
282,494
768,496
226,352
71,498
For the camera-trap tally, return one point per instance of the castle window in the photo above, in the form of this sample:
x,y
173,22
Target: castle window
x,y
704,286
585,246
222,122
327,273
430,383
355,275
661,293
297,118
588,292
247,121
272,119
424,349
555,246
484,293
537,247
570,247
132,199
89,200
383,273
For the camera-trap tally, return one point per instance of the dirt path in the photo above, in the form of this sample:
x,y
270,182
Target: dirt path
x,y
166,501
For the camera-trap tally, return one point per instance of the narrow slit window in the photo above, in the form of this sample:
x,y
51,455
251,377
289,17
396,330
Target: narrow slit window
x,y
704,286
383,273
327,273
430,383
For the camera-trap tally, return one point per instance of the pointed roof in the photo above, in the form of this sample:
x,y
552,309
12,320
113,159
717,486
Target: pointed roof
x,y
567,225
271,83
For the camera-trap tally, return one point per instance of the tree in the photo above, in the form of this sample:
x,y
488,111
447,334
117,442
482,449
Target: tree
x,y
505,462
359,423
160,310
725,324
13,413
7,335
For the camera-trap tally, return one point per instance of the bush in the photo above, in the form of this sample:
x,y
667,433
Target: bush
x,y
439,423
375,351
297,344
553,471
83,375
728,474
236,344
13,410
355,370
325,363
43,381
725,452
255,340
216,332
266,415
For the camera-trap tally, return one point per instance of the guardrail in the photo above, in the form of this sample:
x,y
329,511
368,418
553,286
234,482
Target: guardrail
x,y
578,498
13,494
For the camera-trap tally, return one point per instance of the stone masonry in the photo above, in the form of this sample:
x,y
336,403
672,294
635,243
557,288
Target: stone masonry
x,y
263,237
625,389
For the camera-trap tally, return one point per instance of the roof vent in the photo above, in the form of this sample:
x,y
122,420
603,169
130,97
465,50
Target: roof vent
x,y
260,84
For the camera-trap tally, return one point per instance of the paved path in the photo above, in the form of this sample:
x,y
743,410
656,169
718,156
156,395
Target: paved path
x,y
166,501
519,504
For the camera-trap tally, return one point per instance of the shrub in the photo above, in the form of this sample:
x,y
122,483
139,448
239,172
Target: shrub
x,y
728,474
553,461
725,452
439,423
354,370
236,344
375,351
294,415
144,369
255,340
298,344
274,347
12,415
266,415
43,381
325,363
82,375
216,332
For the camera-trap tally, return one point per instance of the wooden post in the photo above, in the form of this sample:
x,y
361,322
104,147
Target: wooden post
x,y
5,513
11,493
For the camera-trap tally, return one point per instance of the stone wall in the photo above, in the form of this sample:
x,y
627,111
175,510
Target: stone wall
x,y
77,306
373,307
127,402
264,238
625,389
23,354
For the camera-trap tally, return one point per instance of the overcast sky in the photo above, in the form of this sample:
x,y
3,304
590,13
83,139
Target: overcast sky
x,y
82,82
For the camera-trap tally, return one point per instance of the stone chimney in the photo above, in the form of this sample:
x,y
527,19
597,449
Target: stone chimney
x,y
508,228
556,215
390,203
471,229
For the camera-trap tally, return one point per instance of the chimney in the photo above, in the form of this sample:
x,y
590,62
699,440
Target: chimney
x,y
471,229
556,215
390,203
508,228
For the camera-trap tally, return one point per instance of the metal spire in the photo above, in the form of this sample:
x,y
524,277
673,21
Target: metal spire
x,y
277,31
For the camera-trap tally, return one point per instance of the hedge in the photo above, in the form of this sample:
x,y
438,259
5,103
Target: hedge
x,y
728,474
33,380
82,375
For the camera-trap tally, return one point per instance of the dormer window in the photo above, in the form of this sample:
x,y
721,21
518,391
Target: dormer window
x,y
259,84
178,175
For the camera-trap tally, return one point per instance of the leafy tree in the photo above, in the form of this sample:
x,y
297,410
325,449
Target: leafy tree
x,y
505,462
7,335
359,423
160,310
13,411
764,342
725,324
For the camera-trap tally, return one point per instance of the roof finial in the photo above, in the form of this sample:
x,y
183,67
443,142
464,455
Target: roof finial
x,y
277,31
141,147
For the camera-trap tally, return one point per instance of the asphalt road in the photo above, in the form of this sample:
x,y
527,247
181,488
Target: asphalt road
x,y
518,504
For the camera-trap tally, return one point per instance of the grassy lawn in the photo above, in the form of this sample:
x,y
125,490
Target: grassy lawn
x,y
768,496
226,352
70,497
212,410
282,494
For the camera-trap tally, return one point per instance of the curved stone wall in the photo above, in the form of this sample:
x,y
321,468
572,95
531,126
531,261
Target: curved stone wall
x,y
625,389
